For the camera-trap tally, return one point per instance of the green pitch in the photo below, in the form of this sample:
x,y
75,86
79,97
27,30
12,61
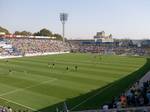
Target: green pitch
x,y
35,84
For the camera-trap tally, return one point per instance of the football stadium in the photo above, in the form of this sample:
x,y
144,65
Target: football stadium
x,y
48,75
49,71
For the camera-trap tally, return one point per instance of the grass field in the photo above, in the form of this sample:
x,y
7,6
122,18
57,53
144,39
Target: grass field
x,y
29,83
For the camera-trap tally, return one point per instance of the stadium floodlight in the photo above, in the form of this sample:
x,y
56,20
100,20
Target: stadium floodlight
x,y
63,19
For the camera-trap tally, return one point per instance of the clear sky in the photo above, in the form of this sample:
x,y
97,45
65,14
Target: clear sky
x,y
121,18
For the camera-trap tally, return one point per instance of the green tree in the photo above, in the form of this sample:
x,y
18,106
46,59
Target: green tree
x,y
17,33
36,34
43,32
46,32
25,33
4,30
58,36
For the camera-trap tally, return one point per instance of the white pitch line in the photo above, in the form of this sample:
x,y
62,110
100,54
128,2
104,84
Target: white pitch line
x,y
97,94
22,89
90,97
18,103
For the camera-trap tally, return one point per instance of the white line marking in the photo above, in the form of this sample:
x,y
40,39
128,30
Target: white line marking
x,y
22,89
18,104
90,97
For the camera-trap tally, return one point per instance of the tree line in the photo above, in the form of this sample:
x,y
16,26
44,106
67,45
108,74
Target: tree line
x,y
42,32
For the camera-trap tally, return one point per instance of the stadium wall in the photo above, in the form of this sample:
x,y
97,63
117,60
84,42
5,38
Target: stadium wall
x,y
34,54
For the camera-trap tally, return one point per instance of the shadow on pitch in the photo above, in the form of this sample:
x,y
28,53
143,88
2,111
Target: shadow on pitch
x,y
101,95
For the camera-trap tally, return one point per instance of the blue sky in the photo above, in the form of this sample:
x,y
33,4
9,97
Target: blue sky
x,y
121,18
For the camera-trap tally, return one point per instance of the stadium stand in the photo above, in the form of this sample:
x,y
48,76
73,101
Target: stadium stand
x,y
117,48
136,99
131,109
23,46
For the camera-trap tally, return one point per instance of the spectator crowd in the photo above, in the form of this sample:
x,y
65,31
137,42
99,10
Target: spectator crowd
x,y
137,96
108,48
17,46
32,45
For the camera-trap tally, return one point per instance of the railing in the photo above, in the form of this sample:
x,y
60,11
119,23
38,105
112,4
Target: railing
x,y
131,109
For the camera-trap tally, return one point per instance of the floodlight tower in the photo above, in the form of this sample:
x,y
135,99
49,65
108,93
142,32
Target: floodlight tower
x,y
63,19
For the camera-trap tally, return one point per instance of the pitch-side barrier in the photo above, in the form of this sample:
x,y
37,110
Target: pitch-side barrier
x,y
131,109
32,54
